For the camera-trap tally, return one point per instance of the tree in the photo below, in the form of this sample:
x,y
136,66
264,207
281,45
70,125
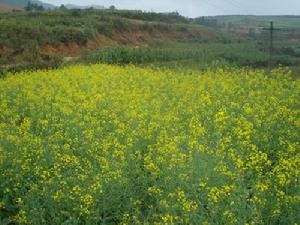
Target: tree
x,y
251,32
62,6
28,7
112,7
33,7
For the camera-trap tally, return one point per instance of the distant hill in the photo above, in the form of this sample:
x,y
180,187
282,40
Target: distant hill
x,y
23,3
286,21
8,5
72,6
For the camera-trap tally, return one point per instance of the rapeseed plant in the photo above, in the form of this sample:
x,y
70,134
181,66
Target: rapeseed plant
x,y
104,144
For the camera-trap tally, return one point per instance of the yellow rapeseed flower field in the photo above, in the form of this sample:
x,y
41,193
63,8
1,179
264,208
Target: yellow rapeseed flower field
x,y
104,144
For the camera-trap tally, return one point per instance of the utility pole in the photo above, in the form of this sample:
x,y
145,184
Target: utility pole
x,y
272,28
271,46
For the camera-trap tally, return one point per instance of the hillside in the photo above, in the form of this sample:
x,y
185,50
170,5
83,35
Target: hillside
x,y
287,22
72,6
292,22
72,33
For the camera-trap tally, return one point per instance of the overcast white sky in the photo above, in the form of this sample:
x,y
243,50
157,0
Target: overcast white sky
x,y
194,8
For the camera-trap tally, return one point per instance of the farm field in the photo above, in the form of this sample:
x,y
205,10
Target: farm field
x,y
108,144
199,56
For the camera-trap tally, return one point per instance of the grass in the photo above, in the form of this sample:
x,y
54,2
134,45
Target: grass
x,y
107,144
